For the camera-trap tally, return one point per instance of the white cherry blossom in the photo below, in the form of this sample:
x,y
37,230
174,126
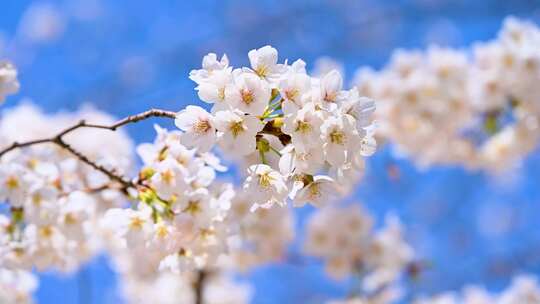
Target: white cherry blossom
x,y
293,87
198,126
248,93
340,139
212,90
169,179
330,90
308,162
264,63
238,131
266,185
304,127
210,64
319,192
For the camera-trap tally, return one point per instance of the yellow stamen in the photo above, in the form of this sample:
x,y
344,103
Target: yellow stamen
x,y
265,180
291,94
45,231
162,231
12,183
247,96
193,207
37,199
330,96
32,163
302,127
206,233
314,191
221,93
136,223
202,126
337,137
167,176
236,128
70,219
262,71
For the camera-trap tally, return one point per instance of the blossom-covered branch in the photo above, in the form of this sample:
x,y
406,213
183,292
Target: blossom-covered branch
x,y
83,124
59,141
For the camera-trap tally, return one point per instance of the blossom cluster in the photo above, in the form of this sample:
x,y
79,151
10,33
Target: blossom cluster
x,y
300,137
477,107
8,80
252,244
185,220
177,221
350,246
53,199
273,117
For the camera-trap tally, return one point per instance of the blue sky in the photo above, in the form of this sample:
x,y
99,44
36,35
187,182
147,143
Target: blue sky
x,y
445,209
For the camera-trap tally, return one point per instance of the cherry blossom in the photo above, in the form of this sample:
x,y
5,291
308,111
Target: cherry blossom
x,y
198,126
238,131
248,93
266,186
447,106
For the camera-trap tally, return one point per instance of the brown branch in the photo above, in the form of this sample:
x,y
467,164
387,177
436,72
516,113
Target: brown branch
x,y
136,118
271,129
59,141
95,190
100,188
198,286
111,174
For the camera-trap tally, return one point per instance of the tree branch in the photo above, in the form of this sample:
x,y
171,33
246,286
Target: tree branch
x,y
59,141
111,174
271,129
136,118
198,286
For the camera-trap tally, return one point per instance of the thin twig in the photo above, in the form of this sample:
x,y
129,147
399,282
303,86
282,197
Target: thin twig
x,y
100,188
137,117
59,141
110,173
84,124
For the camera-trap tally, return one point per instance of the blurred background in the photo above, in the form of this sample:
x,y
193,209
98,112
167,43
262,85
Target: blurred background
x,y
127,56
